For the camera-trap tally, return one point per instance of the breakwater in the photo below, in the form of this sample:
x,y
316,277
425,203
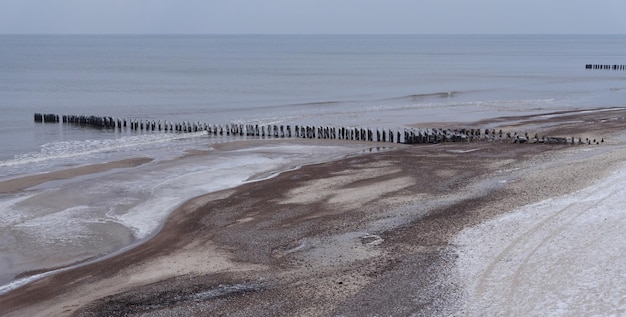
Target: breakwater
x,y
46,117
403,135
605,66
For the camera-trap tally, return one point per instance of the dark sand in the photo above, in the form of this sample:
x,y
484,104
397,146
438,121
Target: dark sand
x,y
362,236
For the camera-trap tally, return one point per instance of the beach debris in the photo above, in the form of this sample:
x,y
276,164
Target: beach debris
x,y
371,239
222,290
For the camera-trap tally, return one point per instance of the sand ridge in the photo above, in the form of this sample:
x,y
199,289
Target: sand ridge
x,y
15,184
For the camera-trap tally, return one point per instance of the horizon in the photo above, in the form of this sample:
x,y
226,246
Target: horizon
x,y
318,34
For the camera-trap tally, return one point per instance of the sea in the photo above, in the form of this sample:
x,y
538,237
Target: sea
x,y
374,81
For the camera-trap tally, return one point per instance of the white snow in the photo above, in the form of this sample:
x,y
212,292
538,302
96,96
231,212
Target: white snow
x,y
564,256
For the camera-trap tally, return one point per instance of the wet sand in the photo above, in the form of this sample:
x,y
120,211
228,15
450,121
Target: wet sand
x,y
372,234
16,184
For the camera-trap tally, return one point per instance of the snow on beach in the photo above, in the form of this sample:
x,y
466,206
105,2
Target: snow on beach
x,y
563,256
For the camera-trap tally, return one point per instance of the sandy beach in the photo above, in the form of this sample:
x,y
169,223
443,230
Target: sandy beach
x,y
461,229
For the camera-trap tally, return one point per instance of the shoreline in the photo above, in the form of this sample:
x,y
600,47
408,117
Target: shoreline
x,y
15,184
336,233
43,183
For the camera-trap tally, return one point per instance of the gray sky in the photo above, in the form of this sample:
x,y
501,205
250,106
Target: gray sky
x,y
312,16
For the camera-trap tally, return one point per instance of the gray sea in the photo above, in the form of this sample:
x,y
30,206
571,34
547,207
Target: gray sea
x,y
371,81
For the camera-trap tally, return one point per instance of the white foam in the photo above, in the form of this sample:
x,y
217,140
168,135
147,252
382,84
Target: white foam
x,y
475,105
24,281
8,215
45,228
85,151
190,181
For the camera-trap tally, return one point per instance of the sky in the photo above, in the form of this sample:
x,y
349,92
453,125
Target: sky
x,y
312,17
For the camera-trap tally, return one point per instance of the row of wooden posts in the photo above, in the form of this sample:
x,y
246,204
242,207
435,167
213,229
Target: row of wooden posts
x,y
406,135
46,117
605,67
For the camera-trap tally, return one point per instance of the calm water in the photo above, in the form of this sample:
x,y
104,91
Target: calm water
x,y
332,80
371,81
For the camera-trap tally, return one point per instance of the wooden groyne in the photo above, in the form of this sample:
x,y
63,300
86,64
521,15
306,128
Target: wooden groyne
x,y
404,135
47,118
605,67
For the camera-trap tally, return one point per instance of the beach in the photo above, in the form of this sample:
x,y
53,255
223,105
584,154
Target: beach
x,y
483,228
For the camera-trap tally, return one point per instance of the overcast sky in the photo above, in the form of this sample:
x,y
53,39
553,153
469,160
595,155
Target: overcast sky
x,y
312,16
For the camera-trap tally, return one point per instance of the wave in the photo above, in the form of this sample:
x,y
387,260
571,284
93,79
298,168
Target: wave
x,y
413,97
437,95
298,104
78,148
340,102
500,105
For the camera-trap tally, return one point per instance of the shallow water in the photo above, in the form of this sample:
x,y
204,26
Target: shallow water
x,y
66,221
360,80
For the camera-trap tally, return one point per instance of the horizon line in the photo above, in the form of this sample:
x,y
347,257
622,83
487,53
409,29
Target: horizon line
x,y
305,34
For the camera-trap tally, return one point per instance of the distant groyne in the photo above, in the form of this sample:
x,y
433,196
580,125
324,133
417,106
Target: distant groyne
x,y
605,66
403,135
